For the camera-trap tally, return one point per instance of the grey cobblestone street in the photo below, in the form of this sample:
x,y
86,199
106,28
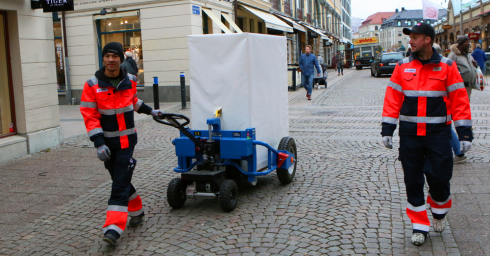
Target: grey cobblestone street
x,y
348,196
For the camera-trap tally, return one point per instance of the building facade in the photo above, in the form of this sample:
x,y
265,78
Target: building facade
x,y
371,26
391,35
29,111
475,24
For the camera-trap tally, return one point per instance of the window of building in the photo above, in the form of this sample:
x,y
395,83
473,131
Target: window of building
x,y
251,26
375,27
127,31
428,21
260,26
240,23
59,51
399,33
409,23
7,125
399,43
225,22
207,24
399,23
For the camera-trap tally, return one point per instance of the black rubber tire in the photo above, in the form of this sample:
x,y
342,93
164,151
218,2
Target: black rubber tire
x,y
372,74
176,193
228,195
287,143
377,73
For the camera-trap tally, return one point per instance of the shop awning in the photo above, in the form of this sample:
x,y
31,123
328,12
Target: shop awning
x,y
270,20
217,21
316,31
232,23
484,13
116,15
292,22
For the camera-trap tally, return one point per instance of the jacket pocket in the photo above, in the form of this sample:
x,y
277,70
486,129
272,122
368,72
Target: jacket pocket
x,y
408,76
102,95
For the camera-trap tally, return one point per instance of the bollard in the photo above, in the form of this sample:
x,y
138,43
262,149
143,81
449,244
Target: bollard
x,y
182,89
294,79
156,98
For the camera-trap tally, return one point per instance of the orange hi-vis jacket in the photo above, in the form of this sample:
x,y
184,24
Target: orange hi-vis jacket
x,y
108,111
425,98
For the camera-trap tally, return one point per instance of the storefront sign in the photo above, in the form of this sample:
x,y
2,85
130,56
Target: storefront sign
x,y
446,27
196,10
57,5
366,40
474,36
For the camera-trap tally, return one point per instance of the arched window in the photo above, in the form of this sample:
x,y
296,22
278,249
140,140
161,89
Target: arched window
x,y
399,23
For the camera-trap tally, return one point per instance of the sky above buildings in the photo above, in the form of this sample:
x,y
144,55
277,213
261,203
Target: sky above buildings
x,y
364,8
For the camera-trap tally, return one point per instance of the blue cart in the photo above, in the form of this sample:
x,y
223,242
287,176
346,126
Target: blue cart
x,y
210,166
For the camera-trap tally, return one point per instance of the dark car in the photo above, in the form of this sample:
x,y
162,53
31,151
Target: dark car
x,y
385,63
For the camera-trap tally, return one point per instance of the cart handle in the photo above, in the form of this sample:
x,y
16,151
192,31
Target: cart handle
x,y
172,121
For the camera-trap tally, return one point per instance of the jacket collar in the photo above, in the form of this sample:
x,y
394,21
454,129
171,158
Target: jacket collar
x,y
104,81
435,58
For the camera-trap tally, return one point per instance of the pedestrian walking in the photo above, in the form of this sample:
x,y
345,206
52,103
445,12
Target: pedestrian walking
x,y
334,62
461,54
409,51
320,58
480,57
340,62
133,68
458,156
107,105
307,64
425,92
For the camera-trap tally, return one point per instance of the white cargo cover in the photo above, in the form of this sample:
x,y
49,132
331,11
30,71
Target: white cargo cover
x,y
246,75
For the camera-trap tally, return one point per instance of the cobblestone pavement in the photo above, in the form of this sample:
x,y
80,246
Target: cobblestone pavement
x,y
348,196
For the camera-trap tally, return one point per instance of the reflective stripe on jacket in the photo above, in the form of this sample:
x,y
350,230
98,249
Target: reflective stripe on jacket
x,y
424,98
108,112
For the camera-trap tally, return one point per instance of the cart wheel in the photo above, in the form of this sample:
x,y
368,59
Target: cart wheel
x,y
228,192
286,176
372,74
176,193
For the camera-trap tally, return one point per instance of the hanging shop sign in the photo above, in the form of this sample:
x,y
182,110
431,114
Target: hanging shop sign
x,y
474,36
57,5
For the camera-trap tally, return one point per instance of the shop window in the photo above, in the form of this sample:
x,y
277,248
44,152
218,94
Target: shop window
x,y
240,23
127,31
225,22
207,24
60,60
6,105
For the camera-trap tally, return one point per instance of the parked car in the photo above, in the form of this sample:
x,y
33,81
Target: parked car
x,y
385,63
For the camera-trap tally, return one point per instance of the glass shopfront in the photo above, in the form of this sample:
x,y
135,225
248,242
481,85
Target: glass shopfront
x,y
58,48
127,31
7,125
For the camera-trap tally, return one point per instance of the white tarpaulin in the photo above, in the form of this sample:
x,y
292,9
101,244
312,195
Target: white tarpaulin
x,y
270,20
246,75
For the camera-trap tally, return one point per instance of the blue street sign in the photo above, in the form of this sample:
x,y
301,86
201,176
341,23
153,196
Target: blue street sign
x,y
196,10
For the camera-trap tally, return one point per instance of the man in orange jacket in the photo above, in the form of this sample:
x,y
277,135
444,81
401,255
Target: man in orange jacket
x,y
107,105
426,93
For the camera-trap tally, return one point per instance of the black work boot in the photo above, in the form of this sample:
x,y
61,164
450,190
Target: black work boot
x,y
135,222
110,238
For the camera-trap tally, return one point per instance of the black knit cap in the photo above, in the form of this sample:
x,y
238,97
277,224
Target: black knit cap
x,y
114,47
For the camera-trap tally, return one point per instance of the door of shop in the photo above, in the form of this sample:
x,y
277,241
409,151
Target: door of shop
x,y
7,117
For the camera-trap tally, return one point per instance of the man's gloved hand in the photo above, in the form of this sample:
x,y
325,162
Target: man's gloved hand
x,y
388,141
465,146
103,153
155,113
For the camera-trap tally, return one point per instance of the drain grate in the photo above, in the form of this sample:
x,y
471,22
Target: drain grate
x,y
326,113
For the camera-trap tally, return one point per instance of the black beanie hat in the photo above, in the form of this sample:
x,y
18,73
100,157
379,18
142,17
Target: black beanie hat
x,y
114,47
